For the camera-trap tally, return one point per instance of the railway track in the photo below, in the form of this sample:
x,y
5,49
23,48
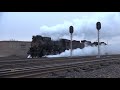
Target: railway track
x,y
49,59
9,60
42,71
32,62
42,62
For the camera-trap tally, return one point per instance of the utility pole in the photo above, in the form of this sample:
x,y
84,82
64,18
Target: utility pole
x,y
71,29
98,26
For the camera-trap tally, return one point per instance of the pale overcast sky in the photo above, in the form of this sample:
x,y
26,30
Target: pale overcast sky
x,y
23,25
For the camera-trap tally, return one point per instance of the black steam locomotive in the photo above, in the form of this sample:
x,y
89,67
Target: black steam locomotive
x,y
41,46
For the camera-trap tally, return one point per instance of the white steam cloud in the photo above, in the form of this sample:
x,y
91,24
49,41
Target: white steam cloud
x,y
91,51
85,28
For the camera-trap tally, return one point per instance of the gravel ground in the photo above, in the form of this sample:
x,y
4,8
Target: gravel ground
x,y
111,71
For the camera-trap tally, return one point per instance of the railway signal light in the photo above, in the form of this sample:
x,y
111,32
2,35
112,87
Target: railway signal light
x,y
71,30
98,26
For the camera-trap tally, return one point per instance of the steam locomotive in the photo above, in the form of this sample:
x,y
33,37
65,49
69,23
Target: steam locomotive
x,y
41,46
